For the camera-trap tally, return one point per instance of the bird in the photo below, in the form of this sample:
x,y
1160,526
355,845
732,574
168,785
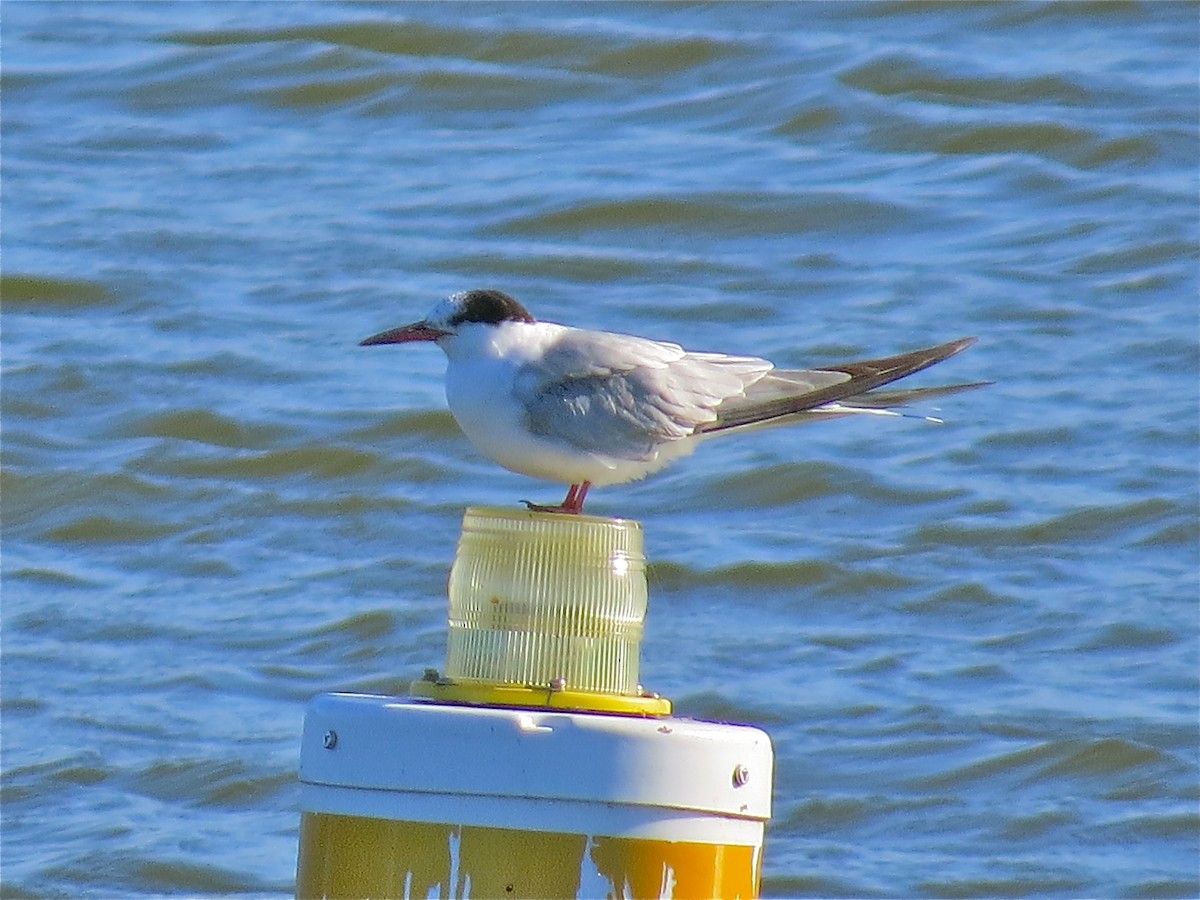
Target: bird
x,y
595,408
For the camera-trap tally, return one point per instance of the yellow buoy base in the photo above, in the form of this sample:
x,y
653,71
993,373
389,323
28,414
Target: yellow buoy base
x,y
483,693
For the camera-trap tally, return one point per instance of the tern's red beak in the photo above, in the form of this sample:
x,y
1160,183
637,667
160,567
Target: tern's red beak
x,y
417,331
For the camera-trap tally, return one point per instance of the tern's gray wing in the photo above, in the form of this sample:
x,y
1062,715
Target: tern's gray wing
x,y
622,396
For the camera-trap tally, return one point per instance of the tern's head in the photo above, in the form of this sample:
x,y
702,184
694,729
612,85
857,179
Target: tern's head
x,y
481,307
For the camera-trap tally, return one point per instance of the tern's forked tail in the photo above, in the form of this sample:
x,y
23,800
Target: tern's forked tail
x,y
862,376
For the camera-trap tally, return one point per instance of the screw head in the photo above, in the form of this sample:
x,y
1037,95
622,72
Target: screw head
x,y
330,740
740,775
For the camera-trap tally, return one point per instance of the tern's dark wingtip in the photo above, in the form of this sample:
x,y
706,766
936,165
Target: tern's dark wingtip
x,y
951,348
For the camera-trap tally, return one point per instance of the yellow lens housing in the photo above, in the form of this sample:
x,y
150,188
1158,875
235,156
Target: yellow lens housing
x,y
546,610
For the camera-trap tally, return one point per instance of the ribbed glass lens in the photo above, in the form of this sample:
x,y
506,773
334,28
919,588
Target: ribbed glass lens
x,y
537,597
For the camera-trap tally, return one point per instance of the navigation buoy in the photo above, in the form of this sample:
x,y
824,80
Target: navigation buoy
x,y
535,765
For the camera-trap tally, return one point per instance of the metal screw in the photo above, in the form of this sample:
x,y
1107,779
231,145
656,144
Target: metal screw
x,y
558,684
330,739
740,775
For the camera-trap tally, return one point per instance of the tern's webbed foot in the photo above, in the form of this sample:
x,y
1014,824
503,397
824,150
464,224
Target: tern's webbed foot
x,y
572,505
541,507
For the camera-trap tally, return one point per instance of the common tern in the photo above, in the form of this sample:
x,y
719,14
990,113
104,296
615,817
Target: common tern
x,y
593,408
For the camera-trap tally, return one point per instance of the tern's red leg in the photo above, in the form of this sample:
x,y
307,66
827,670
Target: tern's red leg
x,y
572,504
574,501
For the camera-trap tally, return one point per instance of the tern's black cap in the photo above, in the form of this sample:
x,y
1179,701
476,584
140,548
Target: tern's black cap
x,y
488,307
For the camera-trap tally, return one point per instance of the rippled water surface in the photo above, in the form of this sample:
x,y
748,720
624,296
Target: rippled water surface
x,y
974,645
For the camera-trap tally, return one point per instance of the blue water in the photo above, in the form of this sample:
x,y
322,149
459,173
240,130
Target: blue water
x,y
974,645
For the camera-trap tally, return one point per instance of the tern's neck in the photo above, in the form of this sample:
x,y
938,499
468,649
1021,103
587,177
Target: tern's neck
x,y
518,341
